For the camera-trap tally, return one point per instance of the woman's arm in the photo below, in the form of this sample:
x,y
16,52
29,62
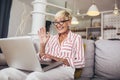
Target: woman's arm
x,y
44,37
79,60
42,50
65,61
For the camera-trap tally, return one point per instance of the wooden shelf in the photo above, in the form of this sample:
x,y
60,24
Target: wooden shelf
x,y
89,31
79,30
118,33
94,27
110,28
84,37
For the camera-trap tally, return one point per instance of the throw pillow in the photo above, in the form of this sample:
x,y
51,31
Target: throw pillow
x,y
89,59
107,59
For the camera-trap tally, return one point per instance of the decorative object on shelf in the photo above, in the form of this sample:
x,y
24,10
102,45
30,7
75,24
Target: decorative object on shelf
x,y
109,28
118,31
96,24
116,10
78,29
93,10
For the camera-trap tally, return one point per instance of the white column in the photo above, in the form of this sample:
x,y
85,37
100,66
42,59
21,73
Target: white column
x,y
38,19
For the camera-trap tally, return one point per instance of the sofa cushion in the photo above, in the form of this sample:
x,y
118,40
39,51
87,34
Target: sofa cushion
x,y
89,58
107,59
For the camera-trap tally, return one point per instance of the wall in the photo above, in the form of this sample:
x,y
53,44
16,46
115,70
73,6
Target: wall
x,y
20,19
111,26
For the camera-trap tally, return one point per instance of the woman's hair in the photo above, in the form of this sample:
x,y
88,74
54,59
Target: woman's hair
x,y
64,14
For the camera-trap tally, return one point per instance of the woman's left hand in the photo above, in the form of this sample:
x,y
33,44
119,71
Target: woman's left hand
x,y
51,57
65,61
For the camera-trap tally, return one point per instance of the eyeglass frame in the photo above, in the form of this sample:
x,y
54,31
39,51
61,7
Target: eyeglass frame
x,y
60,22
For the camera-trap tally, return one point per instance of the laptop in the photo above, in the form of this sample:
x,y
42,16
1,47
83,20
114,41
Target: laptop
x,y
20,53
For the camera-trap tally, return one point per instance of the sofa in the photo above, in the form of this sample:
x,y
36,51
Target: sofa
x,y
102,60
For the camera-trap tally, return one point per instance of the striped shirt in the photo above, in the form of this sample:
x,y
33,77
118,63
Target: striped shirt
x,y
71,49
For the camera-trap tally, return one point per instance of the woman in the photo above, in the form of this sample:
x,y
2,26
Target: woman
x,y
64,46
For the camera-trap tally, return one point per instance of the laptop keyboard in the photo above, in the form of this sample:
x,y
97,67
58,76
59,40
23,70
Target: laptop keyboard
x,y
44,65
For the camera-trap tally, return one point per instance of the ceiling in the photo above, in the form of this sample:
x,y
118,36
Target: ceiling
x,y
82,5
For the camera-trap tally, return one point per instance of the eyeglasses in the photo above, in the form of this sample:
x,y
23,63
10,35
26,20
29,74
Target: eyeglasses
x,y
60,22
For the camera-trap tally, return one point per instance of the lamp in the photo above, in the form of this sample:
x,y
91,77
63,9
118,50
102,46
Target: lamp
x,y
74,19
93,10
78,12
116,11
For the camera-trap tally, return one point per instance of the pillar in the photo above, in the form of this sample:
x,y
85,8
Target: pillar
x,y
38,19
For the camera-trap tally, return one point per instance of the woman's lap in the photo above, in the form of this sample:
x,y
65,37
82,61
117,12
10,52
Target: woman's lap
x,y
12,74
60,73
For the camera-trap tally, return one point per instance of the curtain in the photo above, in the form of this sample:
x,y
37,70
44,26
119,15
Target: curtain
x,y
5,6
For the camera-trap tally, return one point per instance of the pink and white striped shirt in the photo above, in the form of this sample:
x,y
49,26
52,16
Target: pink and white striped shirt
x,y
71,49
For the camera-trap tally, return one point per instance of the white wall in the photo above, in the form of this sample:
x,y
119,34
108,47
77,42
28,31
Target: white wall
x,y
20,19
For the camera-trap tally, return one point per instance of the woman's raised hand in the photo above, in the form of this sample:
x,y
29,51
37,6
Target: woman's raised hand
x,y
44,37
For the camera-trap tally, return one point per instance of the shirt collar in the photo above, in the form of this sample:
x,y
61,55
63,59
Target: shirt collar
x,y
68,36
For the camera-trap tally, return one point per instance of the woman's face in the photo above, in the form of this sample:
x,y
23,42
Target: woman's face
x,y
62,24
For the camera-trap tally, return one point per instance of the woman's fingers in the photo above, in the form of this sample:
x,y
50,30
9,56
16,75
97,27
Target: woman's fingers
x,y
42,31
43,35
47,56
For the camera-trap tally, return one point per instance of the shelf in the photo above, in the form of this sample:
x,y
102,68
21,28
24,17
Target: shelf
x,y
79,30
111,28
84,37
118,33
94,27
88,32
